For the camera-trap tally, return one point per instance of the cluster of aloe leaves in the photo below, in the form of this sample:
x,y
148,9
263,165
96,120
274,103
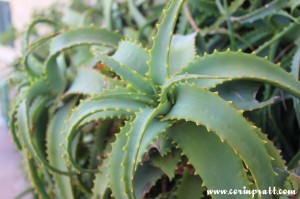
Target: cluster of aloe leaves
x,y
102,114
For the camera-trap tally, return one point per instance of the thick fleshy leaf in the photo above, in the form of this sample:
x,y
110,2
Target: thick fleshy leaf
x,y
132,55
87,82
198,145
32,65
145,177
159,54
208,109
167,163
88,108
133,78
116,159
55,151
102,180
23,125
144,123
182,52
190,185
277,162
242,94
55,75
237,65
135,135
35,179
155,129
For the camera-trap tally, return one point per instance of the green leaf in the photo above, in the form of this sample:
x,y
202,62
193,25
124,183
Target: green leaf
x,y
294,4
145,177
116,159
253,37
135,135
133,78
84,36
295,71
55,151
237,65
107,5
288,30
30,29
277,162
145,129
234,6
154,130
23,125
207,6
13,124
167,163
190,185
164,145
266,10
87,82
208,109
198,144
182,52
159,54
137,16
54,75
243,95
132,55
36,180
90,107
31,64
31,136
102,180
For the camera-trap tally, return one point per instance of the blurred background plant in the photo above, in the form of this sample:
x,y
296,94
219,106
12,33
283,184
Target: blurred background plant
x,y
268,28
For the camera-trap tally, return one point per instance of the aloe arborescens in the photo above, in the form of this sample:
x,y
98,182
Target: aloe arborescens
x,y
168,99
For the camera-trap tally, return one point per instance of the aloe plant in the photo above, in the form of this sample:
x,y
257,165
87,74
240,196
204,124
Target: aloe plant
x,y
104,116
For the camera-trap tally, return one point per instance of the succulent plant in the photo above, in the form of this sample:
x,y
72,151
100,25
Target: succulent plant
x,y
132,115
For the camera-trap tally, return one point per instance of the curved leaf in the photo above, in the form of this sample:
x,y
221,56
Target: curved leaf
x,y
198,144
88,108
86,36
143,124
237,65
203,107
55,151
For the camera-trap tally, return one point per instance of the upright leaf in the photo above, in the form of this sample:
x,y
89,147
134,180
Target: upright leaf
x,y
159,54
